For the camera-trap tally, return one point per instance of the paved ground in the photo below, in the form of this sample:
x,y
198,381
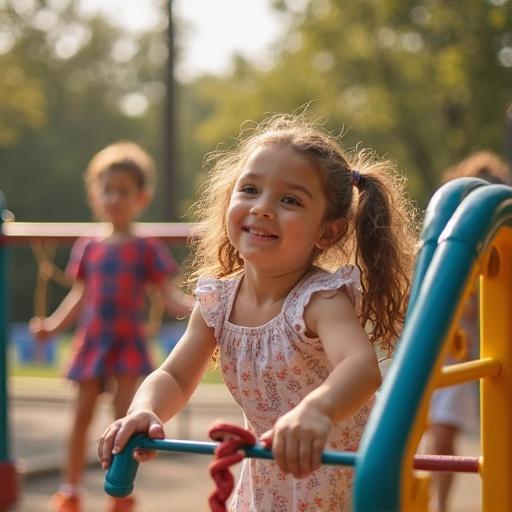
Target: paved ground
x,y
40,415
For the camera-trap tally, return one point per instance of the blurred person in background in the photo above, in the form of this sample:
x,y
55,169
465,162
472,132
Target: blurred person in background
x,y
110,279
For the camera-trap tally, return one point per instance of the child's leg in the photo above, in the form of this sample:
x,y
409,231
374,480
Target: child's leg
x,y
126,387
88,392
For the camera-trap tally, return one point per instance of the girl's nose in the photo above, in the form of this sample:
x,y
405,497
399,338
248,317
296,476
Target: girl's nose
x,y
263,209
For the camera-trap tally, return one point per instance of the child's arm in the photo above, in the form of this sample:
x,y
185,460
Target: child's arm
x,y
176,302
62,317
298,438
164,392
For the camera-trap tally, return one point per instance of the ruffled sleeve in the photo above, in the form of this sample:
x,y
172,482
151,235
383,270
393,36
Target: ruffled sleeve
x,y
209,294
347,278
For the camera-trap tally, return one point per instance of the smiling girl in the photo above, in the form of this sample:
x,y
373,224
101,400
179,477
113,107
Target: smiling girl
x,y
298,250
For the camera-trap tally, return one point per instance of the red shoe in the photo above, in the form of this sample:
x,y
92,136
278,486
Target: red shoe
x,y
122,504
62,502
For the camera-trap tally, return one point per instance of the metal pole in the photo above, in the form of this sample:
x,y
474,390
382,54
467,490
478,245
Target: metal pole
x,y
8,476
169,138
508,133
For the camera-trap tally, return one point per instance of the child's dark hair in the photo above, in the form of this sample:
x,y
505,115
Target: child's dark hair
x,y
482,164
381,239
126,156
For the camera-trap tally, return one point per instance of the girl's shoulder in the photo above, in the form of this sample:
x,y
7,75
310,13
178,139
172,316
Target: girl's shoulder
x,y
347,277
209,288
214,296
221,282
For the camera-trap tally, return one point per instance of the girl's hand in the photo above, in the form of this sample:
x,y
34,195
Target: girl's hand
x,y
41,328
115,437
298,439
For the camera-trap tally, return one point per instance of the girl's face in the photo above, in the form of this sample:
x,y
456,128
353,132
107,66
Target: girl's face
x,y
276,213
118,198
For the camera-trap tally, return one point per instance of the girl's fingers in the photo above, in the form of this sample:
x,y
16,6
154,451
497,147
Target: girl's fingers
x,y
144,455
99,450
278,450
305,457
114,439
156,430
292,455
122,434
316,453
105,444
267,438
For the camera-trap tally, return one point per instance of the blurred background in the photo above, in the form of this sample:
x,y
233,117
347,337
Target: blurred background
x,y
422,82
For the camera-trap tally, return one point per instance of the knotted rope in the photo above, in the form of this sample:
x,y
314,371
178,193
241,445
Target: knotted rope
x,y
231,438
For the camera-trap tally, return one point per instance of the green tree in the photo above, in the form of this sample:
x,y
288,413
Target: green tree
x,y
423,82
22,104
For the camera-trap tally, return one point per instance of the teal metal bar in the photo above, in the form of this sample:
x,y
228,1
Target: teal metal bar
x,y
439,211
4,430
8,474
379,465
121,473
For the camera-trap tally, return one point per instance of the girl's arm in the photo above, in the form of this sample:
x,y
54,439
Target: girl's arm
x,y
300,435
62,317
356,374
164,392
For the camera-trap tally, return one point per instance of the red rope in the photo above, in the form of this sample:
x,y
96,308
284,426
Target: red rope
x,y
231,439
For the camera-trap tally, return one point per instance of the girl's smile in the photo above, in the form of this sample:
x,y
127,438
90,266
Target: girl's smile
x,y
259,233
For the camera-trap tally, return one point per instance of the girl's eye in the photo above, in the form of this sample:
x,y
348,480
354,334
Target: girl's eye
x,y
291,200
248,189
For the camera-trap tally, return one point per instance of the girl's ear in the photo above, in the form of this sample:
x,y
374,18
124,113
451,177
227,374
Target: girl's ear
x,y
332,232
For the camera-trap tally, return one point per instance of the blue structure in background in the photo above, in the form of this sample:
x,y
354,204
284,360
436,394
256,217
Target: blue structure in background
x,y
28,350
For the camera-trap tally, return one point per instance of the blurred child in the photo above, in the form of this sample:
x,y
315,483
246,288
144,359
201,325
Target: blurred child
x,y
111,275
453,410
298,250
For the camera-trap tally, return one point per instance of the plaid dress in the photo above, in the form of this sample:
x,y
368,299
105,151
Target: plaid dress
x,y
110,338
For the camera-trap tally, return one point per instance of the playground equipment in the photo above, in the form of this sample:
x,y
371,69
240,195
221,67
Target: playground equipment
x,y
466,237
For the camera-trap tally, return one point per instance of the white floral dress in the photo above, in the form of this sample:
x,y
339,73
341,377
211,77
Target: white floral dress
x,y
269,369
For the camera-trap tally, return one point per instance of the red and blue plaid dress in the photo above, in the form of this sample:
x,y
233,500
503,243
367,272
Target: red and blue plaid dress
x,y
110,338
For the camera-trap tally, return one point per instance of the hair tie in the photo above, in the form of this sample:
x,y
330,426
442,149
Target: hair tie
x,y
356,177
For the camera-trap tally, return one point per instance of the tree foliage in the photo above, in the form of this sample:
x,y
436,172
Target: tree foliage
x,y
82,77
424,82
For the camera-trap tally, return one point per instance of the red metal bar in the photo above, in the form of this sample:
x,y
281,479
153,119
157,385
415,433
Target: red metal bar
x,y
67,232
451,463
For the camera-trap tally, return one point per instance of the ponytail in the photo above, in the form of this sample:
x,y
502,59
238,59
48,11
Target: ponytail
x,y
384,252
